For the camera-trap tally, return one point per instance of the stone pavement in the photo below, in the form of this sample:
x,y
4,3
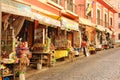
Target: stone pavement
x,y
34,71
105,65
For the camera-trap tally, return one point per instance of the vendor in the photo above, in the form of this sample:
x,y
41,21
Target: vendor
x,y
84,46
71,52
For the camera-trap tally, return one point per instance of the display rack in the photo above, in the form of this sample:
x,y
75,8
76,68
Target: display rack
x,y
41,57
9,71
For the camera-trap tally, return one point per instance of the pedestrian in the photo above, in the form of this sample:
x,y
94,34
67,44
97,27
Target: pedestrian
x,y
84,47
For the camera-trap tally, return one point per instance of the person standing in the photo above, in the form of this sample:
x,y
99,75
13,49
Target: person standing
x,y
84,46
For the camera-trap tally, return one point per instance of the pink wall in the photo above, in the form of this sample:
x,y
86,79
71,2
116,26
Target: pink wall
x,y
80,8
43,6
80,4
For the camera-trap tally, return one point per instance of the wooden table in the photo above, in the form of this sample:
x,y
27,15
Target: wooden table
x,y
38,57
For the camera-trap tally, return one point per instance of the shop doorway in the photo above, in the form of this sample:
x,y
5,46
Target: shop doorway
x,y
70,37
52,34
27,32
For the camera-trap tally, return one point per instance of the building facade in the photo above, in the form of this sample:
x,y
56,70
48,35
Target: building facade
x,y
116,4
73,20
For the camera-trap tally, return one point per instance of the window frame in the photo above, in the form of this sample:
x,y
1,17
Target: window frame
x,y
118,15
119,36
55,4
119,25
73,5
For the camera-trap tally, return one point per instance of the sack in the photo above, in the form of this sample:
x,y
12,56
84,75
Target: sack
x,y
22,76
87,52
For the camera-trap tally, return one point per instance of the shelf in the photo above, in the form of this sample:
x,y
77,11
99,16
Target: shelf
x,y
7,75
11,74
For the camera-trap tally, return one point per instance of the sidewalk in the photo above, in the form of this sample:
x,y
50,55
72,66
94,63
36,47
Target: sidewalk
x,y
33,71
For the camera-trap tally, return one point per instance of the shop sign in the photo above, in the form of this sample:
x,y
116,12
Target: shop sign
x,y
13,7
45,19
69,24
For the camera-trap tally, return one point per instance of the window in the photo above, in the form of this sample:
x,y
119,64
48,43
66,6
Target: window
x,y
57,1
118,25
119,36
118,15
106,24
98,17
70,5
89,8
110,21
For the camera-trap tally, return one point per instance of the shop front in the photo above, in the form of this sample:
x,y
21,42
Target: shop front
x,y
109,38
66,37
14,17
45,33
88,36
103,37
100,37
89,30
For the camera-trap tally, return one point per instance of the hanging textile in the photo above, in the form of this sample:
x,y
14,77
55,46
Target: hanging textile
x,y
17,24
5,19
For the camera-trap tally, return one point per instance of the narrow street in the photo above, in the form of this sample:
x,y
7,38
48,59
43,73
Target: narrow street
x,y
105,65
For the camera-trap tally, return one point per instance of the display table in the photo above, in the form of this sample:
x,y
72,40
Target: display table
x,y
60,53
41,57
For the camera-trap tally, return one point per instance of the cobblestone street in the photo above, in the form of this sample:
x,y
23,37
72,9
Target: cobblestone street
x,y
105,65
